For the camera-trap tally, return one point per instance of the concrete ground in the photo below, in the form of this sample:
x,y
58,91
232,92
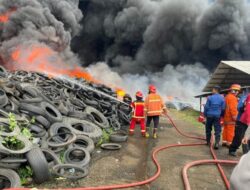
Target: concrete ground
x,y
133,162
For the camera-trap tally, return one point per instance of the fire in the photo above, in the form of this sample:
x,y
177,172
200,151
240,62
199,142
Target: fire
x,y
4,17
41,58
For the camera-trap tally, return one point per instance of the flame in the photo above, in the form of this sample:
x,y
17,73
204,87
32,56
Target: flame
x,y
4,17
40,58
120,92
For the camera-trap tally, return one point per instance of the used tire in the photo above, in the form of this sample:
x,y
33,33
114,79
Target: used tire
x,y
83,141
111,146
59,170
51,113
100,119
3,98
118,137
43,121
39,165
78,156
9,179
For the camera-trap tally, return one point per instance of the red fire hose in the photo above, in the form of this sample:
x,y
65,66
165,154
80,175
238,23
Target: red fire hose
x,y
158,168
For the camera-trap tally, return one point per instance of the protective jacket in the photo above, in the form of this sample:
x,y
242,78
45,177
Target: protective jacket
x,y
241,106
154,105
139,109
215,106
245,117
231,110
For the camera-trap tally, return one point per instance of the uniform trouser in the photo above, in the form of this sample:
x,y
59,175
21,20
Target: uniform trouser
x,y
156,120
213,121
228,133
240,130
133,124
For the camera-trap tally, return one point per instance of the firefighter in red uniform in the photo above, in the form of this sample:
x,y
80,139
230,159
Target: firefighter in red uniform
x,y
138,114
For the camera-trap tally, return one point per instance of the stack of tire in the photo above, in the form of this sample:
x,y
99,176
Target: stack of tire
x,y
69,120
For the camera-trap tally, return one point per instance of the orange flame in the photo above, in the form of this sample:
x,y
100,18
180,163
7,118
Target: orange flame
x,y
4,17
41,58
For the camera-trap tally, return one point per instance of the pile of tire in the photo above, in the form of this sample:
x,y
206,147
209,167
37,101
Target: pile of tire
x,y
69,119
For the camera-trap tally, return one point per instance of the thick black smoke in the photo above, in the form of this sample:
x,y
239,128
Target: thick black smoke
x,y
134,36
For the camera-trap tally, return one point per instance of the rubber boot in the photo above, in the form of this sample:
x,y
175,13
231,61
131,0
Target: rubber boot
x,y
147,134
155,136
216,145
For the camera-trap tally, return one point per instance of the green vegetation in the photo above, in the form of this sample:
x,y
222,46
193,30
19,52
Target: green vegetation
x,y
25,174
189,115
105,136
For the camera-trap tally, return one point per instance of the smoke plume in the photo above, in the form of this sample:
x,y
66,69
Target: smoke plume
x,y
136,36
38,32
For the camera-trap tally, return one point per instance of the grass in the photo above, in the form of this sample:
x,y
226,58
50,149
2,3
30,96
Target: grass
x,y
189,115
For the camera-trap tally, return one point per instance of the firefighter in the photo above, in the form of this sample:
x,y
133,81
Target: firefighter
x,y
154,107
240,129
138,114
213,110
230,115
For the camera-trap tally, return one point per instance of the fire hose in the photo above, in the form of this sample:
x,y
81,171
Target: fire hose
x,y
158,167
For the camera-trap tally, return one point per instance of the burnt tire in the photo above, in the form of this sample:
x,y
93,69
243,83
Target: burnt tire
x,y
9,179
39,165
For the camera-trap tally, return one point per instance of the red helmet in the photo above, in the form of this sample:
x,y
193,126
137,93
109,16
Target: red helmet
x,y
139,94
152,88
235,87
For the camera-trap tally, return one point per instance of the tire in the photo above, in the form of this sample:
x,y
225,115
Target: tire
x,y
39,165
100,119
80,158
61,144
43,121
83,141
57,171
51,157
37,131
118,137
11,176
5,123
32,109
111,146
51,113
3,98
57,128
27,146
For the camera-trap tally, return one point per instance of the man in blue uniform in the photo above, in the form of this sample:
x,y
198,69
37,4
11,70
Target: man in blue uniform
x,y
213,111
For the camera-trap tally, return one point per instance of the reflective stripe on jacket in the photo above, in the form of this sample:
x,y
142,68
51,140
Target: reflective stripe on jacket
x,y
139,107
154,105
231,110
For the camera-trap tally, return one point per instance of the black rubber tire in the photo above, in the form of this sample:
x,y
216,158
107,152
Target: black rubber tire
x,y
82,155
56,170
32,109
100,119
118,137
5,123
11,176
39,165
51,157
13,166
3,98
111,146
27,146
59,128
83,141
37,130
43,121
61,144
51,113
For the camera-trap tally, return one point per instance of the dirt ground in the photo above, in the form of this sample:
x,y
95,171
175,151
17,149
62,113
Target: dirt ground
x,y
133,162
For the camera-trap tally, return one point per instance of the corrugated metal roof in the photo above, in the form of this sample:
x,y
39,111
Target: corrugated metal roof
x,y
228,73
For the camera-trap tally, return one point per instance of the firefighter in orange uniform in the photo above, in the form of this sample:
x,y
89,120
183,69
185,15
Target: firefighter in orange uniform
x,y
138,114
230,115
154,107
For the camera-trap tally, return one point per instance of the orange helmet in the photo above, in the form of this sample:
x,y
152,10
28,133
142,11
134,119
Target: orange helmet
x,y
139,94
235,87
152,88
